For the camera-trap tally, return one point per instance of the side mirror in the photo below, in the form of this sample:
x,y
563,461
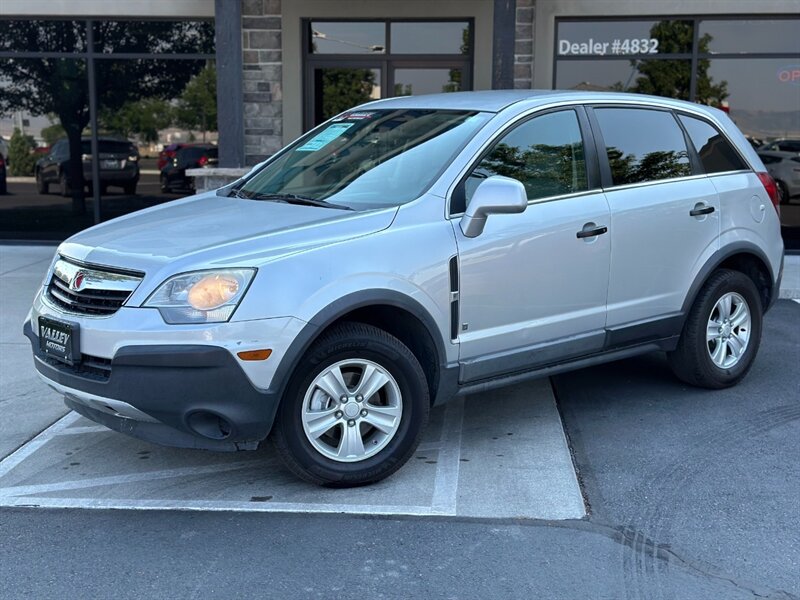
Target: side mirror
x,y
495,195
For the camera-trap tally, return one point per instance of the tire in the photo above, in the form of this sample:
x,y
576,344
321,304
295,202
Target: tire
x,y
692,361
401,404
63,185
129,189
41,186
3,188
783,192
164,184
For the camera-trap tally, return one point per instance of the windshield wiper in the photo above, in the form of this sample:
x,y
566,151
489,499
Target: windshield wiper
x,y
291,199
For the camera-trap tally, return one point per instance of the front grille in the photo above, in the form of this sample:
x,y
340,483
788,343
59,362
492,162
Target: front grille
x,y
90,302
89,291
90,367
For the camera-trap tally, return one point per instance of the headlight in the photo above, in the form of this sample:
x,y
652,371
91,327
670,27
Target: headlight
x,y
202,296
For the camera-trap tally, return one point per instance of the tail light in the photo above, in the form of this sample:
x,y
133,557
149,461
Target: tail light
x,y
203,161
772,190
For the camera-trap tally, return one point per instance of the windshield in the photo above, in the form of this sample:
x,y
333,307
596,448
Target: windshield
x,y
369,158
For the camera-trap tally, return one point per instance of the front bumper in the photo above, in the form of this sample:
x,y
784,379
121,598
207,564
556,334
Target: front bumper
x,y
190,396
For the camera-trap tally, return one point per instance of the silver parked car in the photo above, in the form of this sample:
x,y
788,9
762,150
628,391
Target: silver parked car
x,y
785,170
412,250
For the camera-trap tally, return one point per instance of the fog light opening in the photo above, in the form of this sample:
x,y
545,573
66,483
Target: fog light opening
x,y
209,425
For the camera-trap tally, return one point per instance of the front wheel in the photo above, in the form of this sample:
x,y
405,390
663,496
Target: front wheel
x,y
354,410
722,333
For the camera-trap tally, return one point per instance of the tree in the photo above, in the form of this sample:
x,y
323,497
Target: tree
x,y
53,132
672,78
143,118
59,85
345,88
197,105
21,159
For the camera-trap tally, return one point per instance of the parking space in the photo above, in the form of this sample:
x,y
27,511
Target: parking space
x,y
497,455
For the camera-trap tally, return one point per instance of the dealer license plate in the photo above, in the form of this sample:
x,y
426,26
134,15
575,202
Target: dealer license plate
x,y
59,339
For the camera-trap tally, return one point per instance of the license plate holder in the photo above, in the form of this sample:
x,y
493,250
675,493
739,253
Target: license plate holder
x,y
60,340
109,163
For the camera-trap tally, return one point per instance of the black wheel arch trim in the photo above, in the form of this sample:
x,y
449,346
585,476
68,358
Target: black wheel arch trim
x,y
721,256
362,299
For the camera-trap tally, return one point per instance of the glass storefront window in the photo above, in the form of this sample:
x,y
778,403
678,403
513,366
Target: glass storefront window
x,y
621,38
426,81
29,35
339,88
43,101
154,37
760,102
746,36
430,38
671,78
347,38
156,119
146,109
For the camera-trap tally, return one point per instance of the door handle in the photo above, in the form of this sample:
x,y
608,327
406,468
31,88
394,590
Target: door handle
x,y
585,233
701,210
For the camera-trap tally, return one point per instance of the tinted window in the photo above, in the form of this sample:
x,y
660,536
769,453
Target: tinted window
x,y
643,145
769,160
545,154
751,35
788,146
716,154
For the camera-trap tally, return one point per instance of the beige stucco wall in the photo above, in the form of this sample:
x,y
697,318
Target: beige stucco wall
x,y
295,10
108,8
548,10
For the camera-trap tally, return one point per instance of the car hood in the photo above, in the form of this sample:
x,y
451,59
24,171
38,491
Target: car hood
x,y
211,230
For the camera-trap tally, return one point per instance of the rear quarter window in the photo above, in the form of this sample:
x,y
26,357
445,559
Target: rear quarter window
x,y
643,145
715,152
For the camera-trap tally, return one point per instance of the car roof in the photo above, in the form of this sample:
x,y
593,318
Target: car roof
x,y
498,100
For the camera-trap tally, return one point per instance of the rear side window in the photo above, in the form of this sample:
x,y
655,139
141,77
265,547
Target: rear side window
x,y
643,145
716,153
545,154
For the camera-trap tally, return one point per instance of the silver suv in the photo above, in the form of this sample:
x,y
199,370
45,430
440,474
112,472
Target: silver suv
x,y
412,250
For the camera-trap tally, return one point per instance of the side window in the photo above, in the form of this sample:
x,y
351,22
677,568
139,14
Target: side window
x,y
545,154
643,145
716,153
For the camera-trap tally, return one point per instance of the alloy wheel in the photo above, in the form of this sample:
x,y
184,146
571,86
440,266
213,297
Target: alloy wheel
x,y
728,330
352,410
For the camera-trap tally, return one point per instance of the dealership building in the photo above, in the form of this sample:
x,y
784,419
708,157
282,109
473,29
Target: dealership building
x,y
284,66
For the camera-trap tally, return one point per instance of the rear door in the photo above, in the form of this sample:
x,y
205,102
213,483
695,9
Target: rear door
x,y
665,217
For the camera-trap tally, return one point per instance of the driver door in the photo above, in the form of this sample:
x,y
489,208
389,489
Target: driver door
x,y
534,284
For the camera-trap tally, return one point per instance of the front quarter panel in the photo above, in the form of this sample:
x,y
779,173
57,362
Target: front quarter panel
x,y
410,258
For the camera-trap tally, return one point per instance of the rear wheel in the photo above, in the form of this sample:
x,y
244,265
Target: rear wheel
x,y
164,184
130,188
354,410
41,186
722,332
63,185
783,192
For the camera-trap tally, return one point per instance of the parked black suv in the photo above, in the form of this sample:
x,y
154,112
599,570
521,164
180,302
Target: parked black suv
x,y
173,175
119,166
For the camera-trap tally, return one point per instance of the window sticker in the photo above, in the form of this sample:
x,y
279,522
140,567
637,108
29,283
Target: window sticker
x,y
355,116
323,138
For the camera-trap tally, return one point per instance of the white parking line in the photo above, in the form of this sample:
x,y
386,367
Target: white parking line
x,y
445,491
23,490
23,452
